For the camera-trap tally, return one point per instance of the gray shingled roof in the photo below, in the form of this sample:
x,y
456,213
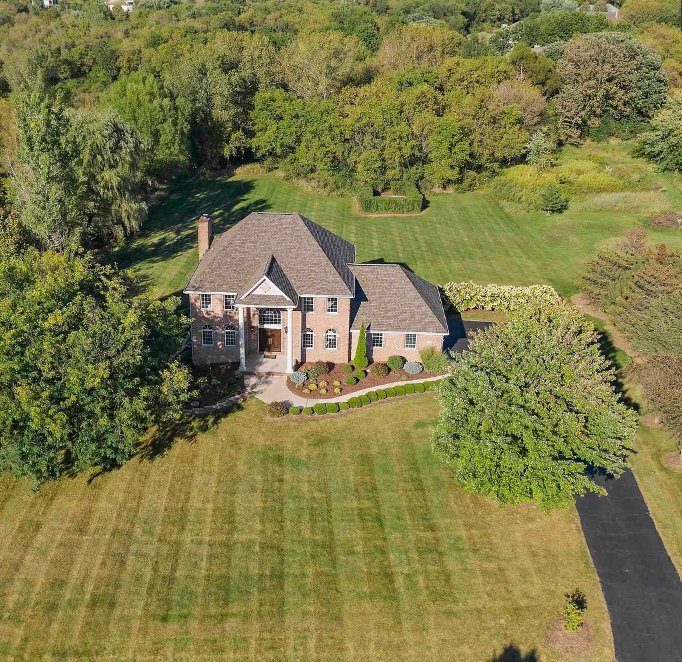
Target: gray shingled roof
x,y
273,272
389,297
309,258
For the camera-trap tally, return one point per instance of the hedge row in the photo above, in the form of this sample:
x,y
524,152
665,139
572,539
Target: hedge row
x,y
367,398
467,296
372,203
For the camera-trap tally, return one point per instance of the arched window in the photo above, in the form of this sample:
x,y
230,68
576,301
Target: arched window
x,y
207,335
331,339
307,339
269,317
231,336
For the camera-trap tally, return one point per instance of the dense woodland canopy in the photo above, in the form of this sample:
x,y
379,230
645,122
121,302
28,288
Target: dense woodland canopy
x,y
100,109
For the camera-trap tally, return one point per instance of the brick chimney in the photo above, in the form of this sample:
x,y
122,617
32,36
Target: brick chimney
x,y
205,230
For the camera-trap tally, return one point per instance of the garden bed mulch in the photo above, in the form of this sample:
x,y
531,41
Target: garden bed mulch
x,y
217,381
573,645
369,382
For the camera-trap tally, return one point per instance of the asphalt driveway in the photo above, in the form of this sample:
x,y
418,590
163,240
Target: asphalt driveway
x,y
642,588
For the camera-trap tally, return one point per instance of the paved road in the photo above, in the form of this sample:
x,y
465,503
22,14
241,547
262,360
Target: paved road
x,y
642,588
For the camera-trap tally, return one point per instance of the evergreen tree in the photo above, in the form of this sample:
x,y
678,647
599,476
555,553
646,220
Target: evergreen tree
x,y
552,200
360,359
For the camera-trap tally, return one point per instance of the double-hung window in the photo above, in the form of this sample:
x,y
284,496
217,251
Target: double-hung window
x,y
332,305
230,336
228,301
377,340
308,304
331,339
206,302
307,339
410,341
207,335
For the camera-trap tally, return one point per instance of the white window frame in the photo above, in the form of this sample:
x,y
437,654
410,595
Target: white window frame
x,y
410,346
331,334
231,328
207,329
374,335
308,332
332,302
305,301
266,317
228,301
203,298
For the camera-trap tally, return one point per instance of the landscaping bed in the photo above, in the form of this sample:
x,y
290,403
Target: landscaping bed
x,y
216,382
337,374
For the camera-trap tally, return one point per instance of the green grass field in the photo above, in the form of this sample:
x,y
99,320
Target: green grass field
x,y
458,237
339,539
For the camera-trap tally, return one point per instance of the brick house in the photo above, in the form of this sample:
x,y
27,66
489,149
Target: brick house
x,y
280,286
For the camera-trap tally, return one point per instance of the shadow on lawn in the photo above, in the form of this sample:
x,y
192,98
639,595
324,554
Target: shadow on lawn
x,y
171,230
512,653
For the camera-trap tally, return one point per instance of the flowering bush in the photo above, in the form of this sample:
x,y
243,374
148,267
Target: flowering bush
x,y
298,377
413,367
466,296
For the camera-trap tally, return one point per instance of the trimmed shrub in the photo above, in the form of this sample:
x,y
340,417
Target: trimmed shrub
x,y
365,399
317,369
308,411
298,385
360,359
322,383
323,391
348,368
400,390
343,406
277,409
332,408
294,411
336,382
298,377
429,386
411,201
379,370
306,391
434,360
413,367
312,387
395,362
337,390
351,381
355,403
438,382
409,389
320,408
381,394
467,296
390,391
359,374
372,395
419,388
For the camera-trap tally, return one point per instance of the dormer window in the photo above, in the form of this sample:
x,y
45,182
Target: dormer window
x,y
332,305
206,302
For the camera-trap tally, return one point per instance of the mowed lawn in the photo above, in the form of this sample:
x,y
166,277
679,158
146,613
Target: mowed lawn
x,y
458,237
339,539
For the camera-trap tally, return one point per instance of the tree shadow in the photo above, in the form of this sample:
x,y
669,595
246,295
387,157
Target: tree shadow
x,y
512,653
460,331
171,229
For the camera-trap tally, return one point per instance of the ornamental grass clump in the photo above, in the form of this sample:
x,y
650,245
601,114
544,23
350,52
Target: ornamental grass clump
x,y
277,409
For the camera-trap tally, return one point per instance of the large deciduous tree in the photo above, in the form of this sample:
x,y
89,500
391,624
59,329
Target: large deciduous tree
x,y
663,143
529,407
84,368
607,74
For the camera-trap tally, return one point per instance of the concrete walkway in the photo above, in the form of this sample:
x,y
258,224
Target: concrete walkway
x,y
273,388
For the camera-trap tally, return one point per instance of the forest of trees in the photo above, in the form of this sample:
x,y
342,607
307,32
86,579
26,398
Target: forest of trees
x,y
99,109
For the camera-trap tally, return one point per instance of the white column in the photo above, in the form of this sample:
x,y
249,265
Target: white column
x,y
242,341
290,341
